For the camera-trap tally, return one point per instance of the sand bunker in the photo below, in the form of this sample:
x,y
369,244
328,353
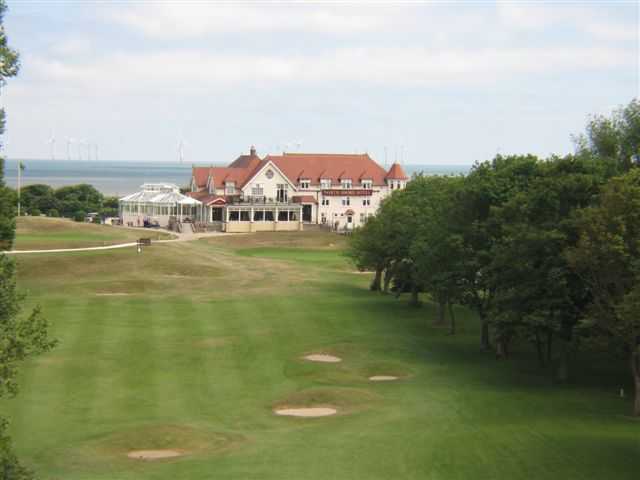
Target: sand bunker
x,y
321,357
154,454
382,378
306,412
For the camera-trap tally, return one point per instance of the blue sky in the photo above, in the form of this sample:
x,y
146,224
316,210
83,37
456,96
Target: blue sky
x,y
434,82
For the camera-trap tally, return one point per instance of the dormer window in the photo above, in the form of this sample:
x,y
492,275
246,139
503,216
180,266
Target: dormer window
x,y
230,188
367,184
346,183
305,184
325,183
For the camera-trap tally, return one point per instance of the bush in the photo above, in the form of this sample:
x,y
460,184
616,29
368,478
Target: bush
x,y
53,213
79,215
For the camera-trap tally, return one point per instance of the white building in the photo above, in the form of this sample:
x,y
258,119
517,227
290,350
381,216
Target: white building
x,y
282,192
157,204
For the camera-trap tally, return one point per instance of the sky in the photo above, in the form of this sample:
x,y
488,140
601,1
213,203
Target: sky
x,y
433,82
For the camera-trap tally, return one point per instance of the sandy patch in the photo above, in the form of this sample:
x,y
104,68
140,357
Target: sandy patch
x,y
322,357
308,412
383,378
363,272
154,454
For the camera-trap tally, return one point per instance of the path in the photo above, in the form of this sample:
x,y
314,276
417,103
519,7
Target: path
x,y
182,237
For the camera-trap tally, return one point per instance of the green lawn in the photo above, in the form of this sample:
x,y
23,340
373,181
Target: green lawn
x,y
36,233
208,340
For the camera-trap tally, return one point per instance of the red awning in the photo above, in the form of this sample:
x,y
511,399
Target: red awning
x,y
305,199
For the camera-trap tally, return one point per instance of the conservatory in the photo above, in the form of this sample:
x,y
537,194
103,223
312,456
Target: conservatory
x,y
158,204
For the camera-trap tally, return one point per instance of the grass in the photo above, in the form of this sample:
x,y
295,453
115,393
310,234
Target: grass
x,y
39,233
209,340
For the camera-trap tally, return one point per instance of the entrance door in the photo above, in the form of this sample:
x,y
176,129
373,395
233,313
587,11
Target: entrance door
x,y
306,213
349,222
216,214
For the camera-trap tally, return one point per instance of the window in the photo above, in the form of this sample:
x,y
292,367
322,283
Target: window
x,y
363,218
257,190
325,201
234,216
268,215
346,183
346,201
367,184
293,216
305,184
282,193
325,183
283,216
244,215
258,216
366,202
230,188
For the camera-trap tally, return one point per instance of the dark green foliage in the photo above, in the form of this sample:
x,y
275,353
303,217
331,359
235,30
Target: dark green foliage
x,y
546,251
20,336
73,201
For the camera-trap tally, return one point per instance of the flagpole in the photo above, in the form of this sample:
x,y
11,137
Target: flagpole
x,y
19,174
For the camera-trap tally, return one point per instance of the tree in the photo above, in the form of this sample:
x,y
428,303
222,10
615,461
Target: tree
x,y
614,138
20,336
488,186
607,257
537,295
436,248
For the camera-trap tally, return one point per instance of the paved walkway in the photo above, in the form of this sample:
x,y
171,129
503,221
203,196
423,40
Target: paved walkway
x,y
182,237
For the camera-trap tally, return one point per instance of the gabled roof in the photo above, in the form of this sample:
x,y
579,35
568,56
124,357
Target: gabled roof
x,y
222,175
329,166
396,173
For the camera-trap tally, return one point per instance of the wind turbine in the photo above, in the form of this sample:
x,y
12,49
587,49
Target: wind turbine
x,y
52,145
70,141
181,145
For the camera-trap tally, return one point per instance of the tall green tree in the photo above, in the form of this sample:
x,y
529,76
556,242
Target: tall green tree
x,y
614,138
21,335
538,296
607,257
487,187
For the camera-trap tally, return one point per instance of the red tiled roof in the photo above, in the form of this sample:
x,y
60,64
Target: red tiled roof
x,y
336,167
206,198
221,175
304,199
396,173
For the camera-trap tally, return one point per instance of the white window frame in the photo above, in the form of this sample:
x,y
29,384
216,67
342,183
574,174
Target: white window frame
x,y
305,184
368,184
325,183
346,183
230,188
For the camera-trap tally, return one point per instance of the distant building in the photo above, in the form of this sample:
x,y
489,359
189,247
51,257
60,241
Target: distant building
x,y
275,193
158,204
283,192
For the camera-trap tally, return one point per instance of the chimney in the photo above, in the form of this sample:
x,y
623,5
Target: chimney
x,y
252,151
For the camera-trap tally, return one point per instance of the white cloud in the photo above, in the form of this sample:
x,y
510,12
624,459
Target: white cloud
x,y
589,19
197,71
198,19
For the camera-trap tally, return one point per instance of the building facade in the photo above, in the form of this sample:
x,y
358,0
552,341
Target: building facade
x,y
283,192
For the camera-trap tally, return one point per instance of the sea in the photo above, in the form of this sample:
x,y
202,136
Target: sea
x,y
121,178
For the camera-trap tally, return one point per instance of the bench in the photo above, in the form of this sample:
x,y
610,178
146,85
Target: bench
x,y
146,242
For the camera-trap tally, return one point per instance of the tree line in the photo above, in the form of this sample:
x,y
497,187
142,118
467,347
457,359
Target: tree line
x,y
73,201
542,250
23,334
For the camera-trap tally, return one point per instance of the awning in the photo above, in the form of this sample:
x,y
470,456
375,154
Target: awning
x,y
305,199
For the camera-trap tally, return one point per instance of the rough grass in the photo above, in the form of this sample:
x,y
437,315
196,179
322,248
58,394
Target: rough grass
x,y
209,341
38,233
